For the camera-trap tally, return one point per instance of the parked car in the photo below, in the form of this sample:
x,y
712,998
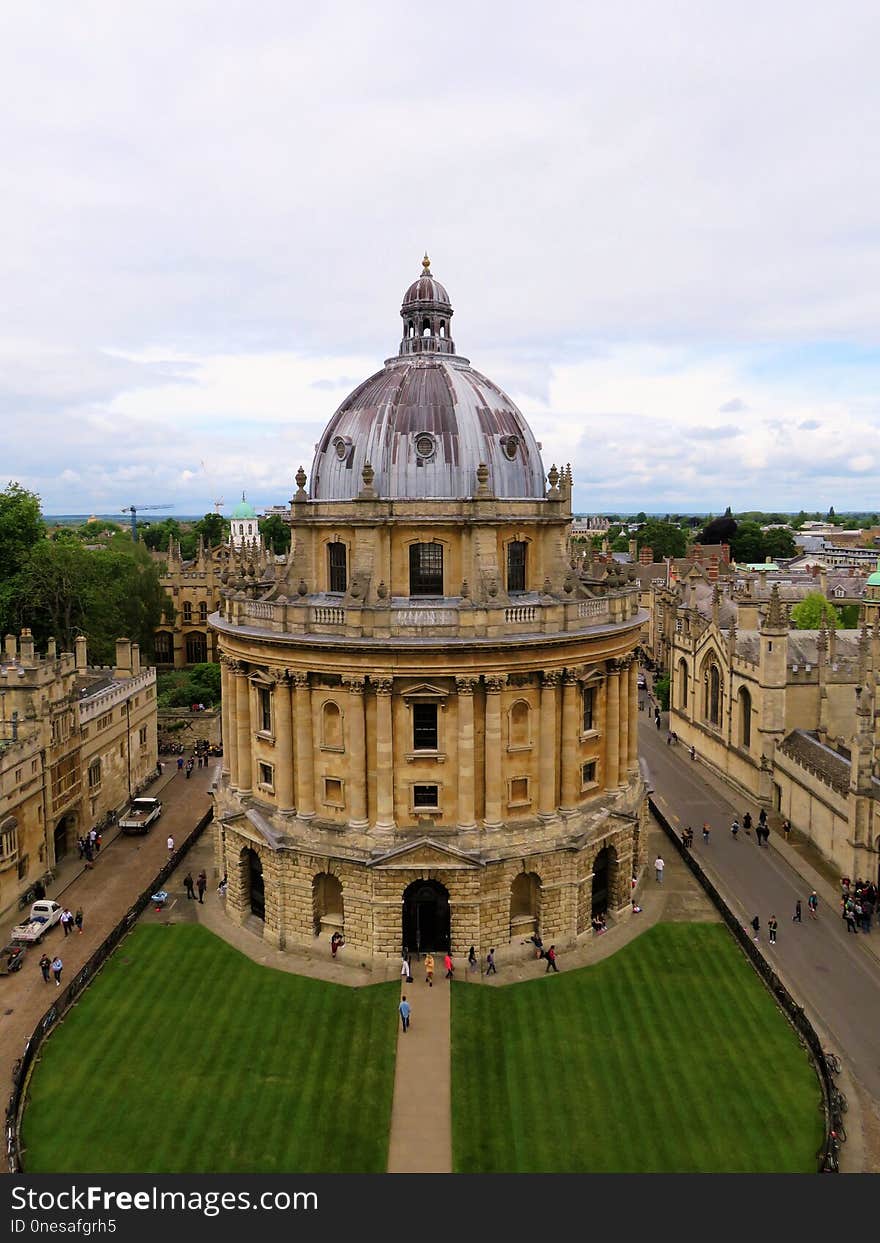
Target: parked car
x,y
44,915
140,815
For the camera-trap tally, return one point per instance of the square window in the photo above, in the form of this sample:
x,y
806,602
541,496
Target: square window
x,y
267,775
588,773
426,796
519,790
333,792
424,727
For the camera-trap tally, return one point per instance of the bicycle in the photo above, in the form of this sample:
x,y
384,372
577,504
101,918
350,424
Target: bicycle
x,y
839,1102
832,1061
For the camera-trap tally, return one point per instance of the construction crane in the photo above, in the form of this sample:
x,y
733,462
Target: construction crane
x,y
218,505
133,510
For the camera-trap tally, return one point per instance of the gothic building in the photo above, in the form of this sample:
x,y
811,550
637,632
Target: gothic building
x,y
429,719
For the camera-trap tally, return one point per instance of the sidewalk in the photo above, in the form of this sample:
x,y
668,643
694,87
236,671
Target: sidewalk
x,y
421,1115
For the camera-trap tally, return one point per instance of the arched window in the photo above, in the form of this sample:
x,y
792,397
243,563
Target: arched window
x,y
426,570
520,724
713,695
525,905
196,648
329,909
410,330
516,565
683,685
331,725
337,567
745,718
426,327
442,327
164,647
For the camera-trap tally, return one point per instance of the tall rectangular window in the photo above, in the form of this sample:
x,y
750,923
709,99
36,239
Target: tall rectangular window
x,y
424,727
338,577
516,565
589,696
426,570
265,709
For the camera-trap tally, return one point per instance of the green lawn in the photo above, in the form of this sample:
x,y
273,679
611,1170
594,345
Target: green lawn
x,y
668,1056
184,1055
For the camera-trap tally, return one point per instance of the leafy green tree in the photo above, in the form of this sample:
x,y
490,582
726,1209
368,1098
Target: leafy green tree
x,y
779,544
661,690
849,615
665,539
156,535
747,545
213,528
810,612
276,533
719,530
91,531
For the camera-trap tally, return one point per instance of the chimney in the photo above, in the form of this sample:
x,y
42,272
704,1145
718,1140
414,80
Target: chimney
x,y
725,553
712,571
646,555
51,650
26,647
135,659
634,549
696,552
82,657
123,659
823,581
10,647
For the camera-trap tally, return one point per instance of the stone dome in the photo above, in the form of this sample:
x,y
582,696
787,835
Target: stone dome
x,y
243,509
427,421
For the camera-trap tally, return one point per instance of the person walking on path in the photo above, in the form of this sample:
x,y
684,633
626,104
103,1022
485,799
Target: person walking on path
x,y
772,925
813,904
747,823
472,959
734,828
786,829
693,752
756,927
45,967
405,973
170,845
404,1009
57,968
67,921
705,834
796,917
448,964
201,885
179,762
849,915
189,886
78,920
429,970
551,959
490,963
659,865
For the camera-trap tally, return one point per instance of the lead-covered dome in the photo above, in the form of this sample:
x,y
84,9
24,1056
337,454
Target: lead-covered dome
x,y
427,421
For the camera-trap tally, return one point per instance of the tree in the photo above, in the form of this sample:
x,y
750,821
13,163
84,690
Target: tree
x,y
276,533
779,544
747,545
665,539
156,535
213,529
719,530
810,612
661,690
831,513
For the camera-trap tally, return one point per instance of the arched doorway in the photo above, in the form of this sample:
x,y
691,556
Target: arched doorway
x,y
426,917
525,905
329,912
255,893
604,879
63,836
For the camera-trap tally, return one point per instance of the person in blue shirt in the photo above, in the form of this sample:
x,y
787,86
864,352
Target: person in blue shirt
x,y
404,1012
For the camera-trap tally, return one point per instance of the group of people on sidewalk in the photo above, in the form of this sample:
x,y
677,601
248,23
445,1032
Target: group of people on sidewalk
x,y
201,884
858,902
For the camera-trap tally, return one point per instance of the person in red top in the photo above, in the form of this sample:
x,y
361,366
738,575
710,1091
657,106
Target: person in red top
x,y
447,963
551,959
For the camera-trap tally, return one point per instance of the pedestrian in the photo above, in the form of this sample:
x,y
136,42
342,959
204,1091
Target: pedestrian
x,y
772,925
170,845
756,926
657,721
45,967
693,752
405,973
78,920
67,921
429,970
448,964
796,917
659,865
97,843
747,823
867,913
202,885
762,818
404,1009
336,941
813,904
472,959
551,959
734,829
179,762
705,834
786,829
57,968
189,885
849,915
490,963
668,739
159,768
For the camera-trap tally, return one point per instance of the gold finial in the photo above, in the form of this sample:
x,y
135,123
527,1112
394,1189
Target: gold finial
x,y
426,264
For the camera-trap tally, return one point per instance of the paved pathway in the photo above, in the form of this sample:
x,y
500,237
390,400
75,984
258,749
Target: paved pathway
x,y
421,1115
833,974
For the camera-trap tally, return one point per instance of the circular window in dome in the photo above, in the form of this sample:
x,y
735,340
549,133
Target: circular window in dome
x,y
510,444
340,444
426,445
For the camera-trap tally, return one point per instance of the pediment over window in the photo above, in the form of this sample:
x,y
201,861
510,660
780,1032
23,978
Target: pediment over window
x,y
425,691
425,853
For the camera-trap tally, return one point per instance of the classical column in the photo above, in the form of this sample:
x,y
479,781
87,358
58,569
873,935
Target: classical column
x,y
384,755
633,758
465,689
547,770
612,725
227,717
571,733
243,730
623,740
357,754
494,686
283,743
305,760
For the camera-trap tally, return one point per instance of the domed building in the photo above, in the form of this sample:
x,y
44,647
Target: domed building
x,y
429,719
244,528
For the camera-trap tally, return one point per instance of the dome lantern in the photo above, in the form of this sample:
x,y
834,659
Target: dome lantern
x,y
426,313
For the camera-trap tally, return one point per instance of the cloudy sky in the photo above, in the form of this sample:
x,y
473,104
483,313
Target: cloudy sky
x,y
659,224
